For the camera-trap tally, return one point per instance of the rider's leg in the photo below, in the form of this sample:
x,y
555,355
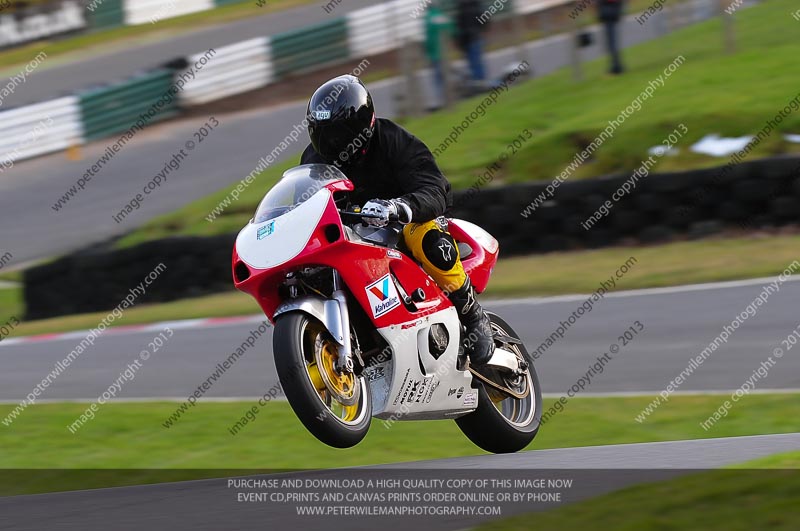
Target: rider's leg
x,y
437,251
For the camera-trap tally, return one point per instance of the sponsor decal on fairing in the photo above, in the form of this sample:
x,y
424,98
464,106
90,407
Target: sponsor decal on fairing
x,y
382,295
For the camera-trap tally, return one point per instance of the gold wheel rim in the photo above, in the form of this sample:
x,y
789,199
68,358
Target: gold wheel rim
x,y
329,384
342,384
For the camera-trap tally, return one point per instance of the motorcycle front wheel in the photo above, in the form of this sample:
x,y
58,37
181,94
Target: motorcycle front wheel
x,y
502,423
335,408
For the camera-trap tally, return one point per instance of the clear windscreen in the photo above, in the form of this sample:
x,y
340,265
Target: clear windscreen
x,y
296,186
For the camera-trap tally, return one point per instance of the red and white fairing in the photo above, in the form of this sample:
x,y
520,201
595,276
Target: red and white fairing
x,y
310,233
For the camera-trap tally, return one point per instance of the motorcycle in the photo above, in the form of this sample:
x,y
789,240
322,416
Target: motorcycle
x,y
361,331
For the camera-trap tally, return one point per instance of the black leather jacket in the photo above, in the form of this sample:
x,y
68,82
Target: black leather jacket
x,y
397,165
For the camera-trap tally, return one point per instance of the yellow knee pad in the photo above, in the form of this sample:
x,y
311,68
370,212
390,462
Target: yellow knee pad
x,y
438,253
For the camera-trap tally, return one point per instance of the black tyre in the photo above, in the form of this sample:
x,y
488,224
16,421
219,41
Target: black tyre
x,y
504,425
337,411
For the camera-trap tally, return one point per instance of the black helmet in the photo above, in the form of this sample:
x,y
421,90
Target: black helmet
x,y
341,120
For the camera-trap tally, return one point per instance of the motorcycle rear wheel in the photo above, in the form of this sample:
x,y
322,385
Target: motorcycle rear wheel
x,y
303,351
502,423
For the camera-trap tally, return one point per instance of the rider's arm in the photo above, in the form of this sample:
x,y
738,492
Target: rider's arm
x,y
426,190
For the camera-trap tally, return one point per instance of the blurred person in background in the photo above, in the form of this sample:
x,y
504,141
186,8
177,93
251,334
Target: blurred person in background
x,y
437,23
469,38
610,12
396,176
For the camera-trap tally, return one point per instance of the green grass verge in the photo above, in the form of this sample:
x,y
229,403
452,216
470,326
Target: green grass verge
x,y
723,500
10,304
566,116
11,276
132,435
550,274
786,460
711,92
102,41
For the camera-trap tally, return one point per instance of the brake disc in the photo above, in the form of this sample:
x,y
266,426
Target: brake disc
x,y
335,383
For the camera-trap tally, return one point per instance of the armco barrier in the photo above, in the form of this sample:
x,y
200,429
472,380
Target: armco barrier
x,y
383,27
41,128
533,6
662,207
116,108
25,22
105,13
237,68
148,11
356,35
312,46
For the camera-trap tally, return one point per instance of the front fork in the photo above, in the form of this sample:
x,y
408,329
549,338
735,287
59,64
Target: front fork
x,y
345,362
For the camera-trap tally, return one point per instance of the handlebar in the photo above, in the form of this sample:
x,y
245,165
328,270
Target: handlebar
x,y
393,218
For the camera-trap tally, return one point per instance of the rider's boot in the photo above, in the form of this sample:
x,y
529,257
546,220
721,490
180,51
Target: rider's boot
x,y
479,343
